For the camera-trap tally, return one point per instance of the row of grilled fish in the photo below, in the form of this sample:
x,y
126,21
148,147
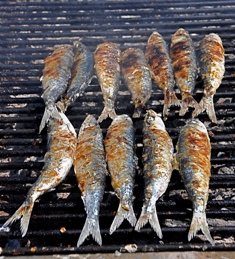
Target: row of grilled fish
x,y
69,70
92,156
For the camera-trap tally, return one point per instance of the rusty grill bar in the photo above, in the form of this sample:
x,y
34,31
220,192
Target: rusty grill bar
x,y
28,32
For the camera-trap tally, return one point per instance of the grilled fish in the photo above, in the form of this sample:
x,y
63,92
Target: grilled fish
x,y
107,66
121,161
56,73
158,165
57,163
90,170
193,159
81,75
212,71
159,61
184,65
136,75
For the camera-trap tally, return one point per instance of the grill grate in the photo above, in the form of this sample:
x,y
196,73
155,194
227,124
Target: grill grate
x,y
28,32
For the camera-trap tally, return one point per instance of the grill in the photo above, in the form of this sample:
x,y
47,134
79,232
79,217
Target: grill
x,y
29,30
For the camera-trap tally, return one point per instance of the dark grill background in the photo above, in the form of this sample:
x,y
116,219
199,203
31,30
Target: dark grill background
x,y
29,30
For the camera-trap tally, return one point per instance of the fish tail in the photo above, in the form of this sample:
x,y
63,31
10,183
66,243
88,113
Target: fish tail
x,y
206,104
150,217
107,113
91,227
138,112
199,222
24,212
121,215
169,99
187,101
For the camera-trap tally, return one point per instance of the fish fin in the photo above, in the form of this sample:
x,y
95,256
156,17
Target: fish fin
x,y
45,118
187,101
107,113
175,163
152,218
199,222
121,215
169,99
24,211
206,104
91,227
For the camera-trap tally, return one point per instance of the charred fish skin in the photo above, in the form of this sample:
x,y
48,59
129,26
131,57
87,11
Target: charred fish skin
x,y
184,65
193,153
58,160
107,58
158,58
121,161
137,78
56,73
212,70
90,170
158,166
81,75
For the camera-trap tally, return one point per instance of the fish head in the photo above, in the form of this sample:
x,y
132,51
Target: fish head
x,y
153,118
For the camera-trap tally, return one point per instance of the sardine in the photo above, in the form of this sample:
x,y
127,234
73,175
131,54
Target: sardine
x,y
107,58
121,161
184,65
157,56
212,70
57,163
90,170
193,159
137,77
158,165
56,73
81,75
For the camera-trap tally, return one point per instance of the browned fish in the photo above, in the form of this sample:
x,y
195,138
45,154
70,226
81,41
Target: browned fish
x,y
184,65
212,71
107,66
193,159
160,64
136,75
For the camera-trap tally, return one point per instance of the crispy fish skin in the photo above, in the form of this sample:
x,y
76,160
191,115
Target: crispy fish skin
x,y
121,161
107,58
193,158
184,65
57,163
137,77
158,165
81,75
212,69
56,73
90,170
157,56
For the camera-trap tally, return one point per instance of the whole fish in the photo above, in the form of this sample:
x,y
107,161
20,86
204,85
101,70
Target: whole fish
x,y
81,75
107,66
158,165
56,73
57,163
157,56
137,77
193,159
90,170
184,65
212,71
121,161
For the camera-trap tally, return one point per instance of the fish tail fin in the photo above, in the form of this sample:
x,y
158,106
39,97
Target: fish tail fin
x,y
107,113
152,218
206,104
49,109
169,99
187,101
24,212
199,222
121,215
91,227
